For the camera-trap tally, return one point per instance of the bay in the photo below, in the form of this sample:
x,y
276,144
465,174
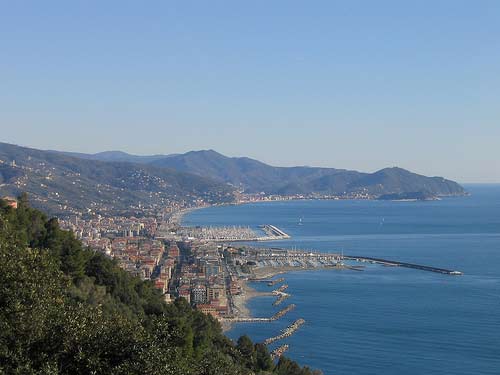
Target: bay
x,y
386,320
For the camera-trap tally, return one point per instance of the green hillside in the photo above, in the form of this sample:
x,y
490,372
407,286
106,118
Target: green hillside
x,y
59,184
254,176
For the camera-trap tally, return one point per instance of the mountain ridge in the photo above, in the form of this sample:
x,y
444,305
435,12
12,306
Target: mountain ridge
x,y
255,176
115,179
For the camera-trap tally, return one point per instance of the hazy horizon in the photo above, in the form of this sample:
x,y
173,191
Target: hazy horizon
x,y
352,85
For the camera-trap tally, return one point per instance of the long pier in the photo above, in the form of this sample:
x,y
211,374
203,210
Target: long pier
x,y
394,263
272,233
276,316
270,282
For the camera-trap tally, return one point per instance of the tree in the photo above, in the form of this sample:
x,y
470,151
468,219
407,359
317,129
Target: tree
x,y
67,310
263,359
247,350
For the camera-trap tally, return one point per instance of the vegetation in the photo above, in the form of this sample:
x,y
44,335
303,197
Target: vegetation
x,y
57,183
82,182
256,176
67,310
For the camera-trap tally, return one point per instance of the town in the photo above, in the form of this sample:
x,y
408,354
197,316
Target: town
x,y
200,264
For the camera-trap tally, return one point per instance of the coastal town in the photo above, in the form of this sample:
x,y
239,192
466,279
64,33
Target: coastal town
x,y
205,265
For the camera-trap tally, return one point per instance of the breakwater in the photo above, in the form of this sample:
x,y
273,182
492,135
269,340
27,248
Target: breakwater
x,y
279,351
393,263
273,232
282,297
280,313
281,289
287,332
276,281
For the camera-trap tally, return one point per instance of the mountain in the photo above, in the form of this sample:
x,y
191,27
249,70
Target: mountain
x,y
60,183
115,180
254,176
114,156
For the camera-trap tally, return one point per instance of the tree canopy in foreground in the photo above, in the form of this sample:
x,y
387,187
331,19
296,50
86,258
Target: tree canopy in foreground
x,y
65,309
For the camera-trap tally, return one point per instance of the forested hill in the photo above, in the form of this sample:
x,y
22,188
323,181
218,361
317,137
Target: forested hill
x,y
67,310
116,181
59,183
254,176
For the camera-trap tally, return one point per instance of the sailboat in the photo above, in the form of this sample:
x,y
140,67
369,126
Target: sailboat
x,y
300,221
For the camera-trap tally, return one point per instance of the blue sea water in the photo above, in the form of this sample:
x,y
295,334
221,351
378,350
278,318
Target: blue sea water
x,y
386,320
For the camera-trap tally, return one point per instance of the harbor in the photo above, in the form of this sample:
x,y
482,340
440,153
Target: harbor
x,y
171,230
393,263
340,272
272,261
275,260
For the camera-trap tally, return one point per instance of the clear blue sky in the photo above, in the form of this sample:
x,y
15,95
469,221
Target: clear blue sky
x,y
348,84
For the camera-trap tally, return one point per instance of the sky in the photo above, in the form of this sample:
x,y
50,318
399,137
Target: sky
x,y
348,84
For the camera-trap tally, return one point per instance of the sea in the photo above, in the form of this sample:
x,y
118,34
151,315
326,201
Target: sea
x,y
385,320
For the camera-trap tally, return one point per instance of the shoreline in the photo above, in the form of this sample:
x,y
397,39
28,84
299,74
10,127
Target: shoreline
x,y
241,304
178,216
241,301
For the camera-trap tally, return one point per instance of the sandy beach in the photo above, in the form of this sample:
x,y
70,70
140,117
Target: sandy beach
x,y
178,216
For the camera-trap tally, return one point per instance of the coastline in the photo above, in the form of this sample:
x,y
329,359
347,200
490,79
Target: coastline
x,y
178,216
241,301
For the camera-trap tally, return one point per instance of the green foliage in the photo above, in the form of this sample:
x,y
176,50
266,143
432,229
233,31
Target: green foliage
x,y
256,176
263,360
247,350
67,310
286,366
114,186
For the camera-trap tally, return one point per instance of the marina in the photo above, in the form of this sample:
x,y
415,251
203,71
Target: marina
x,y
435,234
228,233
287,259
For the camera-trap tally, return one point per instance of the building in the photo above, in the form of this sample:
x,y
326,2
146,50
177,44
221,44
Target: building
x,y
216,292
12,202
199,294
211,267
185,293
207,309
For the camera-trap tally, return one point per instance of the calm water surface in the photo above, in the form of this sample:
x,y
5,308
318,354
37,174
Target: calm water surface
x,y
387,320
